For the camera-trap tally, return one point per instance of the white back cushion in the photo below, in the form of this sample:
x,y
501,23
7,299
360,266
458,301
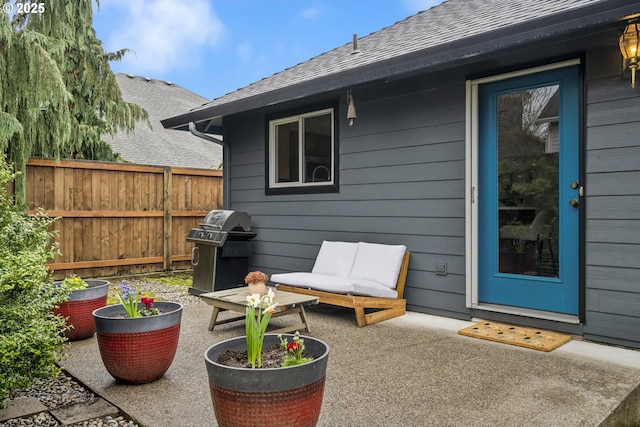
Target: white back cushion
x,y
380,263
335,258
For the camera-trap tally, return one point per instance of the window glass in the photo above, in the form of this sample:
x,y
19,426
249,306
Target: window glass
x,y
287,150
528,180
301,151
317,148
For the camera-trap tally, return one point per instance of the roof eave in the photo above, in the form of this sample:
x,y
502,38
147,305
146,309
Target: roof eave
x,y
430,59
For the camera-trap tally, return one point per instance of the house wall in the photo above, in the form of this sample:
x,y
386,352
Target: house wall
x,y
613,202
402,179
401,182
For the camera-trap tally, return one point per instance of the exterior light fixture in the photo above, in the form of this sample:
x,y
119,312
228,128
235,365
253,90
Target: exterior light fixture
x,y
630,48
351,108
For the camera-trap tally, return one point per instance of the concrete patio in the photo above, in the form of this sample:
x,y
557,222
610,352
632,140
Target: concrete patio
x,y
410,371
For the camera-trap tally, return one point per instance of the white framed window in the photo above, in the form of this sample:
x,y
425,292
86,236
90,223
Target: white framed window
x,y
302,152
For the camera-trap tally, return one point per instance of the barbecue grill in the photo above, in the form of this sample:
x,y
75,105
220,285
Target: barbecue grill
x,y
223,246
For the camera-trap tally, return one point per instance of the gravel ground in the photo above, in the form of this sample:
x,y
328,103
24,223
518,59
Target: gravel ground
x,y
56,393
160,291
63,391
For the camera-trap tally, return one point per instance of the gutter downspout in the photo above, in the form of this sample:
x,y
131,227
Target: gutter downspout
x,y
226,162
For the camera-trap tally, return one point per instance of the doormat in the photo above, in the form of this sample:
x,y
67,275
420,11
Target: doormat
x,y
536,339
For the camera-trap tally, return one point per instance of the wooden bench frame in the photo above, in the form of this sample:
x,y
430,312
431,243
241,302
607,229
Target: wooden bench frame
x,y
385,308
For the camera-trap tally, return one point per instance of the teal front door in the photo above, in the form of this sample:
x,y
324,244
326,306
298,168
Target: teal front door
x,y
529,192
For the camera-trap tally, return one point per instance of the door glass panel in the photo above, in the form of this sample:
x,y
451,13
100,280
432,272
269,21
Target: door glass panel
x,y
528,151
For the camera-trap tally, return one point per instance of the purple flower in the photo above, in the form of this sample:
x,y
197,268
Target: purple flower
x,y
128,293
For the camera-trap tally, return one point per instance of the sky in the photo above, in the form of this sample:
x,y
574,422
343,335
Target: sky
x,y
213,47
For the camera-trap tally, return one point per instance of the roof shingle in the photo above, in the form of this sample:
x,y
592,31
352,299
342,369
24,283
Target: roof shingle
x,y
454,31
159,146
453,20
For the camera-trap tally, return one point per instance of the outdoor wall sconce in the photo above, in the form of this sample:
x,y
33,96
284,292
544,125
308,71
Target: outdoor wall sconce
x,y
629,46
351,109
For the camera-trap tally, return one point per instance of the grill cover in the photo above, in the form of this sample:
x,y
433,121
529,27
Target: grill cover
x,y
227,220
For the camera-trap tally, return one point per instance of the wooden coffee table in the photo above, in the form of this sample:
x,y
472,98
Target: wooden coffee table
x,y
236,300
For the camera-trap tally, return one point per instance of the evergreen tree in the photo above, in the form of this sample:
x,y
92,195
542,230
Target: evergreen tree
x,y
58,94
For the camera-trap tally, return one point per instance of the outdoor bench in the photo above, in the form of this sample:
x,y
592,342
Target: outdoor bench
x,y
368,277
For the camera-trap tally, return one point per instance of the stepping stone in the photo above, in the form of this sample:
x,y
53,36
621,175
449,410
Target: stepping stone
x,y
21,407
84,411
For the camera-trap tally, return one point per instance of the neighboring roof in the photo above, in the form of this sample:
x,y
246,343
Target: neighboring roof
x,y
551,111
452,32
159,146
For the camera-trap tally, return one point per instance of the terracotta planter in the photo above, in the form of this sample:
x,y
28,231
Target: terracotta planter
x,y
138,350
79,307
290,396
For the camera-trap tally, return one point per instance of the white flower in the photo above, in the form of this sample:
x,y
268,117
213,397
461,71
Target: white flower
x,y
271,295
253,300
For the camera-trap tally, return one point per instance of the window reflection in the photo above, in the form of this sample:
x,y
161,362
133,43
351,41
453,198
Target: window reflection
x,y
528,151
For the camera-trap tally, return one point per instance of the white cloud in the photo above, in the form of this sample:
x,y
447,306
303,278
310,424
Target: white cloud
x,y
311,12
244,51
162,34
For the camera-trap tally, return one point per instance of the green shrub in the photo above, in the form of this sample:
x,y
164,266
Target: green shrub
x,y
30,335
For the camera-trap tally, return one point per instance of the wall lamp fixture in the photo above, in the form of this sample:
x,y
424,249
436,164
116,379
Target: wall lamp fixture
x,y
630,47
351,108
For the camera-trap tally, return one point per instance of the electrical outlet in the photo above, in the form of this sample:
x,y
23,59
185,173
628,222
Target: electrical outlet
x,y
441,268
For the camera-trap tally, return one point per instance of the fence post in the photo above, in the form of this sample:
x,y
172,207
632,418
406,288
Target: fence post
x,y
167,217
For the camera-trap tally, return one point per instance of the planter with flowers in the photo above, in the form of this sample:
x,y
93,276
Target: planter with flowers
x,y
280,386
85,296
257,282
137,338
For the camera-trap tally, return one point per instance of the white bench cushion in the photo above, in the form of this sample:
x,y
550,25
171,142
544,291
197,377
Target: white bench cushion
x,y
378,263
334,284
335,258
372,289
320,282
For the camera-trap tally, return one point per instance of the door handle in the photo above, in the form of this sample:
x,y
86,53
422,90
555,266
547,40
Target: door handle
x,y
574,203
576,186
195,255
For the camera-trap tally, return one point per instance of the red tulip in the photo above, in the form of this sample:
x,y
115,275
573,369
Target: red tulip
x,y
147,301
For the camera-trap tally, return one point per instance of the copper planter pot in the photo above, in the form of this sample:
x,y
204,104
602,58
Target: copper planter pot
x,y
138,350
79,307
289,396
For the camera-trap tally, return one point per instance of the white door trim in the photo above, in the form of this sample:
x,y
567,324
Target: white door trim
x,y
471,195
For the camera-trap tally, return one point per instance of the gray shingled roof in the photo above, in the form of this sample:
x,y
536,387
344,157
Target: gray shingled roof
x,y
456,30
159,146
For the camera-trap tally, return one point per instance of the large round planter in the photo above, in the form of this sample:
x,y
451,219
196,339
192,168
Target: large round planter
x,y
138,350
79,307
290,396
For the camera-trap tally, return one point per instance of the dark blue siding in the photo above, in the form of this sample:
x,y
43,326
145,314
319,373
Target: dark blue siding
x,y
402,180
612,205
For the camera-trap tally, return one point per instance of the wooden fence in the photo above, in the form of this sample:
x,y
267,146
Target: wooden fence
x,y
119,219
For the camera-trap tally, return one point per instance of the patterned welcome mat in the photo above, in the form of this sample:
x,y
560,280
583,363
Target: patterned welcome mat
x,y
536,339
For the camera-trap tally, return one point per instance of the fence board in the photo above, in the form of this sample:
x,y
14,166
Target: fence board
x,y
120,218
